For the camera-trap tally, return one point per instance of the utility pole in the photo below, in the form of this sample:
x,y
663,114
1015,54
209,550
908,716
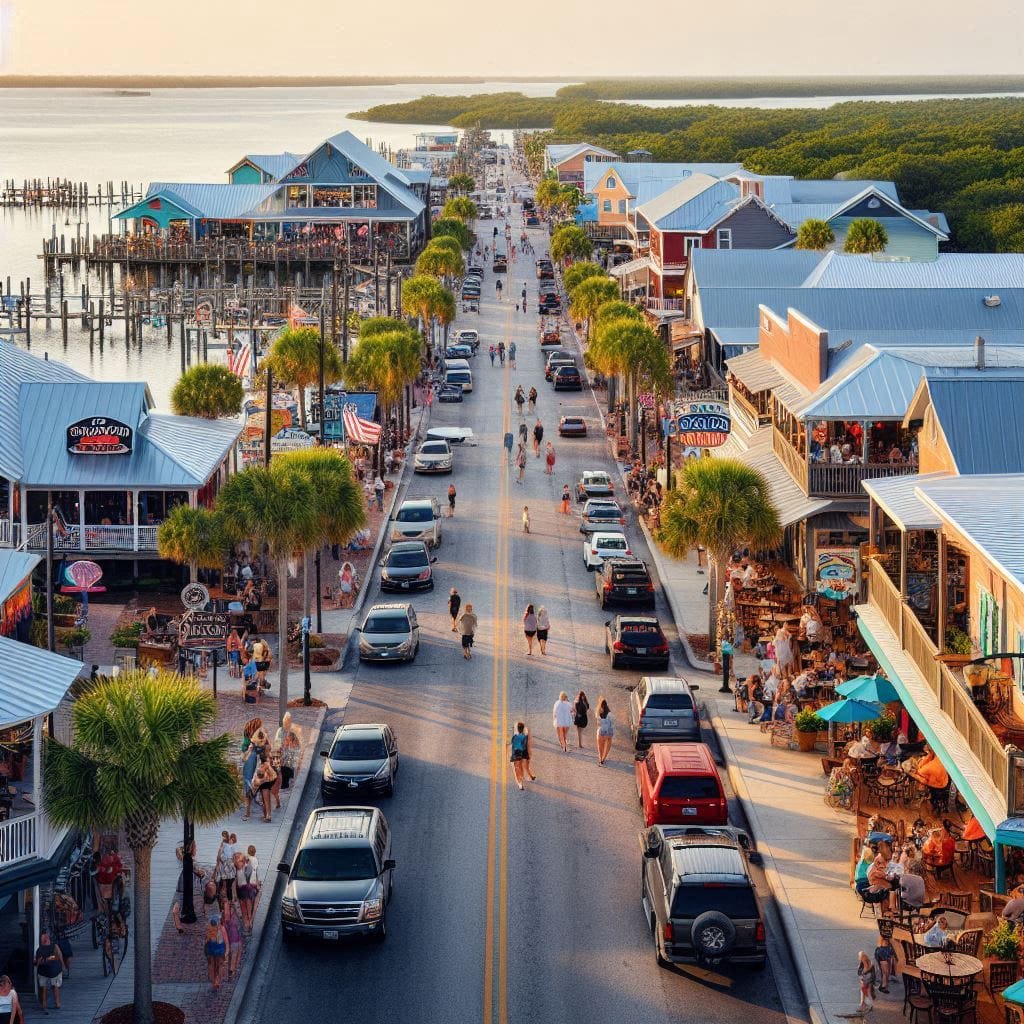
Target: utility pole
x,y
267,420
344,317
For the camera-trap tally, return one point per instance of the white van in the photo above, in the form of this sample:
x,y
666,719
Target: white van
x,y
459,377
418,518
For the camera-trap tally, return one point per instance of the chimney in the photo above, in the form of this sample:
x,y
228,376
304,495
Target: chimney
x,y
979,352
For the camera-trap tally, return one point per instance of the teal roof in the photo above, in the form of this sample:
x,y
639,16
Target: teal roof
x,y
752,268
33,682
694,204
14,567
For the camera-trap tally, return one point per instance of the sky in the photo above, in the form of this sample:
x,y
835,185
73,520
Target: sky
x,y
528,37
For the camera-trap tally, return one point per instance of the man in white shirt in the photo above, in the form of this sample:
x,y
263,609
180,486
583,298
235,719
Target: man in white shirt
x,y
749,575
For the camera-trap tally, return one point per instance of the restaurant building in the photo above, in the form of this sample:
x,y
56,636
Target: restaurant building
x,y
112,466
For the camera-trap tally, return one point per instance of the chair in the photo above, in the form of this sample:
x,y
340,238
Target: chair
x,y
958,900
885,927
870,899
1002,974
938,870
1012,1014
954,1008
969,942
915,999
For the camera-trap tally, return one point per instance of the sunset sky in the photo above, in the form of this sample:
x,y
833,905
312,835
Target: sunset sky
x,y
529,37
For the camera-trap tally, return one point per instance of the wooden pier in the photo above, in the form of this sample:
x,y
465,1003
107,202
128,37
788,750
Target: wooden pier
x,y
64,194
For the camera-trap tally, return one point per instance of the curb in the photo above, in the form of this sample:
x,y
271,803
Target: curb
x,y
259,931
785,911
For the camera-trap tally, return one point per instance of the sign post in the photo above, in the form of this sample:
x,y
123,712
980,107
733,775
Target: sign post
x,y
307,685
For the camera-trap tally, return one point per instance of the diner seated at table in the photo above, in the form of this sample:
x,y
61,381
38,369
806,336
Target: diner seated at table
x,y
879,885
805,681
891,750
930,771
865,748
912,887
973,832
938,935
940,846
1014,908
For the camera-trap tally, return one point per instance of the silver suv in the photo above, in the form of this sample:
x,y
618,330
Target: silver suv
x,y
339,883
662,709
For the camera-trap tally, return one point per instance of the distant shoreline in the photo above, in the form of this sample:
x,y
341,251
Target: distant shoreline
x,y
253,81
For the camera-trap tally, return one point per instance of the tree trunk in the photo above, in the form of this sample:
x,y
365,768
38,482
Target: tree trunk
x,y
631,409
302,406
612,390
193,572
305,583
282,635
143,996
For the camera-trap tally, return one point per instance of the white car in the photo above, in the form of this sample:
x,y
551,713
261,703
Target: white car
x,y
604,544
453,435
433,457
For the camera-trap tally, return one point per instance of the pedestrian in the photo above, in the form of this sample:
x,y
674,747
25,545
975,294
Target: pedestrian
x,y
562,716
519,746
566,499
580,708
885,957
215,946
288,742
549,459
492,351
261,655
454,604
501,352
263,782
538,436
378,491
512,354
524,433
233,929
530,627
224,868
497,289
10,1005
867,976
234,649
526,519
467,627
521,463
605,730
248,890
543,628
249,766
508,442
532,397
519,398
524,305
451,500
524,287
49,969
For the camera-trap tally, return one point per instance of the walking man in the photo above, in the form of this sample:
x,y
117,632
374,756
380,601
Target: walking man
x,y
497,289
467,627
491,352
509,439
451,500
538,436
378,491
501,352
521,463
512,355
532,396
454,604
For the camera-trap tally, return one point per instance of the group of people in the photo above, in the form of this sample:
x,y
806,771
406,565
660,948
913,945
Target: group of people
x,y
250,662
464,624
267,767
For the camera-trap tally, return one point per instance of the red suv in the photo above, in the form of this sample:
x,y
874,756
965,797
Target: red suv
x,y
678,784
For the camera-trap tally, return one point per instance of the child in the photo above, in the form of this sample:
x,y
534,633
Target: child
x,y
885,957
866,976
526,519
566,499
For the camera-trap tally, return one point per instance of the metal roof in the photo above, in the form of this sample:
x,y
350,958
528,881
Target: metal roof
x,y
965,410
687,204
635,175
387,175
32,681
752,268
631,267
274,164
878,385
898,497
558,153
990,271
197,445
211,201
759,374
14,567
836,190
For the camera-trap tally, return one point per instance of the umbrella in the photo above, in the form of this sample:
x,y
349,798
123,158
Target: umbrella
x,y
872,689
1015,993
851,710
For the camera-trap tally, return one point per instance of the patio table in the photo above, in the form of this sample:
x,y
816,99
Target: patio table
x,y
949,967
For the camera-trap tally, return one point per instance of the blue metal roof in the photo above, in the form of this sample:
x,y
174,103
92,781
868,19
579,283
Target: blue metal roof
x,y
274,164
635,175
14,567
836,190
209,201
752,268
990,271
560,152
880,387
690,204
898,496
32,681
965,409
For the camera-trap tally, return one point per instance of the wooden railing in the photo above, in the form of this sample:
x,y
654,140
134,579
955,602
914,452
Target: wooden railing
x,y
839,480
19,839
679,304
885,596
93,538
742,409
794,462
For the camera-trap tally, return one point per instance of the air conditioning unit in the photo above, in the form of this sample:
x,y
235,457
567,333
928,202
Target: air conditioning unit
x,y
991,301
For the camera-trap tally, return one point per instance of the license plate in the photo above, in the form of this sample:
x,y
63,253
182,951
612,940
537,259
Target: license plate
x,y
405,584
631,591
670,723
689,810
330,933
641,650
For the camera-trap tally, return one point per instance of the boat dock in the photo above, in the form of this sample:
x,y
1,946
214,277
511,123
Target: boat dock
x,y
64,194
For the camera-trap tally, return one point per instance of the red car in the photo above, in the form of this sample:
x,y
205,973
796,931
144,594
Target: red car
x,y
678,784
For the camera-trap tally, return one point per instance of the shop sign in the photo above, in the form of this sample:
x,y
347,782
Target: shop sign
x,y
194,595
99,435
837,572
290,439
701,424
202,630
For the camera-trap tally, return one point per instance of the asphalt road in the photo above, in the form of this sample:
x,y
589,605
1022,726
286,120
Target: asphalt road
x,y
508,905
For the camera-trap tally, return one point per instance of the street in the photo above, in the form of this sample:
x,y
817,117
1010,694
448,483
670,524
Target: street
x,y
508,905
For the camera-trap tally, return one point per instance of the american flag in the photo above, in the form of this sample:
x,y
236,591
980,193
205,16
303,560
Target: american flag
x,y
357,429
238,362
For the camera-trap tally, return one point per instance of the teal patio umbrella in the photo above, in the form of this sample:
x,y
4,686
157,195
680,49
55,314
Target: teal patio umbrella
x,y
850,710
1015,993
871,689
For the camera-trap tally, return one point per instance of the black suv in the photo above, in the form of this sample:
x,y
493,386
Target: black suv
x,y
545,270
698,897
624,581
567,378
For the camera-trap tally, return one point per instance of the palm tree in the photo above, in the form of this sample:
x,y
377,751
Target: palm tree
x,y
138,756
450,227
378,325
442,258
461,183
208,391
722,505
273,505
580,272
295,361
814,234
386,363
193,537
864,234
588,295
423,296
549,194
461,208
570,242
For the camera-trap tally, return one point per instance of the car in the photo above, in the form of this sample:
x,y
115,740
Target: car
x,y
601,514
604,544
389,632
532,220
545,270
468,337
556,363
699,900
678,784
594,483
433,457
470,294
624,581
662,709
556,354
362,759
549,304
459,352
453,435
547,287
449,393
572,426
550,334
636,640
407,566
477,272
462,376
567,378
418,518
340,881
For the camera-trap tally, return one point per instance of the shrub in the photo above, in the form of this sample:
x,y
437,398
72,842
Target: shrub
x,y
77,637
808,721
127,636
1001,943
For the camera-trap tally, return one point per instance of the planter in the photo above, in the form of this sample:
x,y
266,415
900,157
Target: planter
x,y
954,661
322,653
806,740
64,621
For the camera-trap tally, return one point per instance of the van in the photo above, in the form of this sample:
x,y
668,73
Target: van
x,y
462,378
455,363
418,519
499,263
679,784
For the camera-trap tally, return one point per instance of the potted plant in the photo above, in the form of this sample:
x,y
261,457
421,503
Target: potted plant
x,y
808,725
882,729
75,639
959,648
125,639
1001,944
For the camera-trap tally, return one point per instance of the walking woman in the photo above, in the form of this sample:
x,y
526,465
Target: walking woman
x,y
263,782
521,463
580,708
519,746
233,930
605,730
519,398
562,715
454,604
451,500
566,499
532,399
538,435
543,625
529,627
215,947
549,459
10,1006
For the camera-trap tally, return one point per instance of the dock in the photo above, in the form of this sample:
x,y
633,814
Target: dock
x,y
64,194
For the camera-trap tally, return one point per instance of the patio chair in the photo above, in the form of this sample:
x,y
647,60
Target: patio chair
x,y
1012,1014
938,870
958,900
872,900
916,999
885,927
1002,974
954,1008
969,942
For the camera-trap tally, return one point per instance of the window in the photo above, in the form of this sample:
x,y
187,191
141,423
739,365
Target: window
x,y
607,206
364,196
610,182
622,206
725,238
298,195
691,244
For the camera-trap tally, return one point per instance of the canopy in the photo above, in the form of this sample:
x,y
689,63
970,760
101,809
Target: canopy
x,y
851,710
1015,993
873,689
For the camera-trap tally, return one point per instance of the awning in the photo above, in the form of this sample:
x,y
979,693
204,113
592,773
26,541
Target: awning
x,y
636,266
898,498
1011,832
39,870
32,681
756,374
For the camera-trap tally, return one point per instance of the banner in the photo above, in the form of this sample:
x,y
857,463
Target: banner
x,y
837,572
202,630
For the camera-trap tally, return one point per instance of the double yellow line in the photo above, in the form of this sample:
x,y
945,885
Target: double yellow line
x,y
495,1002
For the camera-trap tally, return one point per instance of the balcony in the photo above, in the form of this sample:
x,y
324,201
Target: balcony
x,y
100,538
679,304
839,480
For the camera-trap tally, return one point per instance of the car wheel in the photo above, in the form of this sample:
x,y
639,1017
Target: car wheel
x,y
760,965
615,662
713,935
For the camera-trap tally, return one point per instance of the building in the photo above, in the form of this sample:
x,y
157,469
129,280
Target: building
x,y
112,466
568,161
341,194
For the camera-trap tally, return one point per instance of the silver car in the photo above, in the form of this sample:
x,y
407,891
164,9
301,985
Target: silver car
x,y
389,632
433,457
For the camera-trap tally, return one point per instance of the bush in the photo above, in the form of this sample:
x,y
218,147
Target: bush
x,y
127,636
808,721
77,637
324,657
1002,942
957,641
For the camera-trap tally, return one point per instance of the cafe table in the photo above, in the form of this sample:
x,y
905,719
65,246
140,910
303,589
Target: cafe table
x,y
949,968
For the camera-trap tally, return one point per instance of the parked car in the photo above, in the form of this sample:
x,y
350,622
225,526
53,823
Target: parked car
x,y
459,377
545,270
407,566
450,393
567,378
453,435
389,632
433,457
699,899
361,759
468,337
604,544
572,426
418,519
550,334
636,640
458,351
601,514
661,709
624,581
554,364
340,880
532,220
594,483
548,304
679,784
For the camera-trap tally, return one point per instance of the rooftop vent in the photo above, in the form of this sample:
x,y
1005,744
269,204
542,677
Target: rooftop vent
x,y
991,301
873,204
979,352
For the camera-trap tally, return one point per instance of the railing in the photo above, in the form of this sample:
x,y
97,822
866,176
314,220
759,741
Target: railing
x,y
679,304
147,538
885,596
790,458
93,538
838,480
741,408
19,839
5,533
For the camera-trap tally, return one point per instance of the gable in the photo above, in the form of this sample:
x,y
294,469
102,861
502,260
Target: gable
x,y
753,226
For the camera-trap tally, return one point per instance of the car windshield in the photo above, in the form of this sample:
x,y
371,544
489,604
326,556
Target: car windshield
x,y
596,480
604,512
612,544
435,448
386,624
735,901
347,864
688,787
415,515
406,559
571,421
371,749
670,702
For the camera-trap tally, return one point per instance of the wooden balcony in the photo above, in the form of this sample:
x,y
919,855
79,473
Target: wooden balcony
x,y
91,538
795,464
839,480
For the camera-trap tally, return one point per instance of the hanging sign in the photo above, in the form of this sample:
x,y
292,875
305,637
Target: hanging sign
x,y
837,572
194,595
291,439
99,435
202,630
700,424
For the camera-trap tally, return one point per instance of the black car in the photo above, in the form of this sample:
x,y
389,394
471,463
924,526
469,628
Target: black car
x,y
555,364
624,581
567,378
545,270
407,567
361,758
548,305
636,640
449,393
